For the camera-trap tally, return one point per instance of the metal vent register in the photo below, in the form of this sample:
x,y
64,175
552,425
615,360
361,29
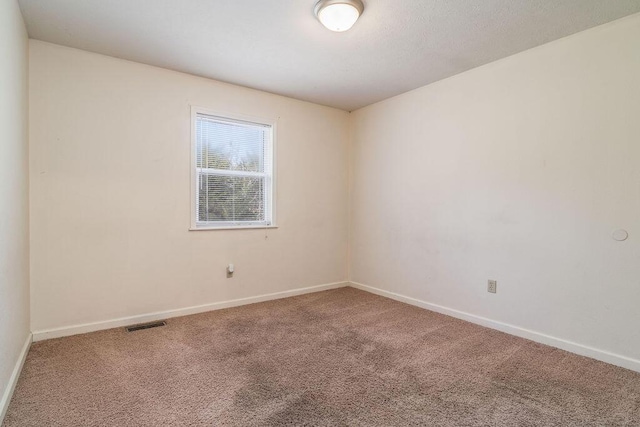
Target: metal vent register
x,y
145,326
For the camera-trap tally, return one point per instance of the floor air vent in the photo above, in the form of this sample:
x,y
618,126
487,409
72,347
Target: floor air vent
x,y
145,326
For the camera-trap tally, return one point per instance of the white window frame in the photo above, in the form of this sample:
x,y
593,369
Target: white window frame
x,y
270,186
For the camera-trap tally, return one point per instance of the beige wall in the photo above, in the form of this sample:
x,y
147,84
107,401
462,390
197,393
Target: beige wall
x,y
517,171
110,193
14,196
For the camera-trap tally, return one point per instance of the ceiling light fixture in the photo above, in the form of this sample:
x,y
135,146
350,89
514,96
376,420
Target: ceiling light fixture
x,y
339,15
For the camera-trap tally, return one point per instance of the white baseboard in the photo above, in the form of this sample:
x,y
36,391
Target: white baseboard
x,y
151,317
582,350
13,379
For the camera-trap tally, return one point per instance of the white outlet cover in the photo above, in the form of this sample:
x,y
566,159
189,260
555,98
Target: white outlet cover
x,y
492,286
620,235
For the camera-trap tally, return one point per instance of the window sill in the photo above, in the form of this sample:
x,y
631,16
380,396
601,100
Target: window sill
x,y
236,227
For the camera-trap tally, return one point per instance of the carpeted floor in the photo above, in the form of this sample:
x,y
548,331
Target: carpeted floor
x,y
340,357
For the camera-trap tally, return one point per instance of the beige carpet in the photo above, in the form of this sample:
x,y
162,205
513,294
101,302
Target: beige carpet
x,y
341,357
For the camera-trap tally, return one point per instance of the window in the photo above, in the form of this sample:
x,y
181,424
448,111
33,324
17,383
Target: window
x,y
233,172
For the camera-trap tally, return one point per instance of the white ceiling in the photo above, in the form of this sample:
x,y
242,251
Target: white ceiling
x,y
278,46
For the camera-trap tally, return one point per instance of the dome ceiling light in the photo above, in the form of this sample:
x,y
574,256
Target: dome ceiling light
x,y
338,15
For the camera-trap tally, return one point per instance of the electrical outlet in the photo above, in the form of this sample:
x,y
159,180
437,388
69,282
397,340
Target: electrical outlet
x,y
492,286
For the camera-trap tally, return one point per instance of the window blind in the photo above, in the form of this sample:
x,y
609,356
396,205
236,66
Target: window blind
x,y
234,171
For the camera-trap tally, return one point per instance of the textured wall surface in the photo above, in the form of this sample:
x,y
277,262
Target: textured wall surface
x,y
14,192
518,171
110,186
